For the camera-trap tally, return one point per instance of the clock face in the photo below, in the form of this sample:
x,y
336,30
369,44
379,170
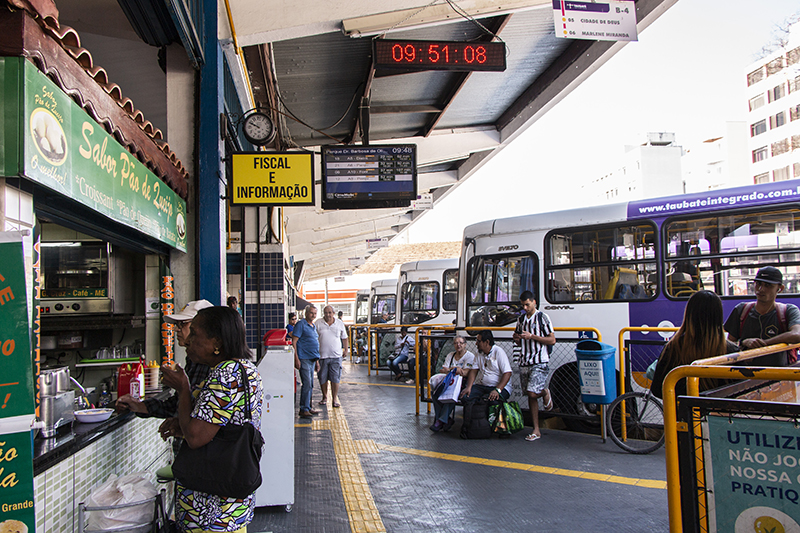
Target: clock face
x,y
258,128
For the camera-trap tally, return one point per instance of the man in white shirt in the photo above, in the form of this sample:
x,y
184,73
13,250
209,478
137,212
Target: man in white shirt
x,y
332,345
493,374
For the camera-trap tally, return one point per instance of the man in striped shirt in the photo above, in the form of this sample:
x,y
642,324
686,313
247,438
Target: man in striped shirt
x,y
535,335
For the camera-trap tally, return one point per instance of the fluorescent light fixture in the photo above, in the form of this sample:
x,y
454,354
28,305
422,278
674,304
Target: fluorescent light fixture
x,y
406,19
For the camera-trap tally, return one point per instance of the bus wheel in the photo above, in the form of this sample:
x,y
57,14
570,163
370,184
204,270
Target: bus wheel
x,y
566,390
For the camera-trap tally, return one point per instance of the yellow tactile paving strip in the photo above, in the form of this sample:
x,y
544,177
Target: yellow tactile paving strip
x,y
361,510
379,384
647,483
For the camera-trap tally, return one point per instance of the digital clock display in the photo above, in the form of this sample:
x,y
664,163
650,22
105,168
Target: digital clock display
x,y
439,55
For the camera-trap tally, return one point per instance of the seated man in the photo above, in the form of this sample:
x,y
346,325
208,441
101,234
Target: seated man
x,y
493,373
403,350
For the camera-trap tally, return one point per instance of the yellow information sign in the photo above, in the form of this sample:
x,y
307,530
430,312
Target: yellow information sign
x,y
272,178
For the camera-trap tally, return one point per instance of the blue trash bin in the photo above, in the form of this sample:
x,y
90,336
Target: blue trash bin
x,y
597,371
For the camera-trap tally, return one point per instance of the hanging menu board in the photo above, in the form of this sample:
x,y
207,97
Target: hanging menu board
x,y
362,177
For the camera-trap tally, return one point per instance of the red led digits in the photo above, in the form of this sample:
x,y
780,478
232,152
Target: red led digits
x,y
472,54
402,53
439,55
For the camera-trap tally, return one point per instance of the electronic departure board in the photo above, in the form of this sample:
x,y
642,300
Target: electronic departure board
x,y
362,177
439,55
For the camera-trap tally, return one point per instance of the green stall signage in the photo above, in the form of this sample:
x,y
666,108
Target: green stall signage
x,y
16,482
16,378
65,150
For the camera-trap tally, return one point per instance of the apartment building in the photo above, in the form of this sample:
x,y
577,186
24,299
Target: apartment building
x,y
773,98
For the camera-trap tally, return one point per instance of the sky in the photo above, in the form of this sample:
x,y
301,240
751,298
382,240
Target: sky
x,y
685,74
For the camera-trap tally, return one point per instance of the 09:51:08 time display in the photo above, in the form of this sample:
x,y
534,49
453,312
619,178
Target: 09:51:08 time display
x,y
439,55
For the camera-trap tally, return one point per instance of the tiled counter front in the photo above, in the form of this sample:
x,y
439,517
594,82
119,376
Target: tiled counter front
x,y
133,447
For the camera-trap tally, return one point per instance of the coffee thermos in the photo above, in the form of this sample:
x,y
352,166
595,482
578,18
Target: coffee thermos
x,y
56,399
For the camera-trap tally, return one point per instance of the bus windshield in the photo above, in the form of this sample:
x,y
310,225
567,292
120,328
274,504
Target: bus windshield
x,y
420,302
362,308
495,283
383,304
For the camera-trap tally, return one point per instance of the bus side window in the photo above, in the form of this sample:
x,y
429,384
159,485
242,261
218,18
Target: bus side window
x,y
595,264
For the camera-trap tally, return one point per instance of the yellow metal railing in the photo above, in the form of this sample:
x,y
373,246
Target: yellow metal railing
x,y
705,368
475,329
621,352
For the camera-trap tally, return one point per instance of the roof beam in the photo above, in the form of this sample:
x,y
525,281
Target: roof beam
x,y
405,19
494,25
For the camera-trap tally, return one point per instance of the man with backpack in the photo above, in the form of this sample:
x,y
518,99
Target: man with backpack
x,y
535,337
765,321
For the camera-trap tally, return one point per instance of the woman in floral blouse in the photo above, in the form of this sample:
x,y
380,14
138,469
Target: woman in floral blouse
x,y
217,339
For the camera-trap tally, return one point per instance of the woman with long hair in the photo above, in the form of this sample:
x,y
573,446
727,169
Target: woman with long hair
x,y
701,335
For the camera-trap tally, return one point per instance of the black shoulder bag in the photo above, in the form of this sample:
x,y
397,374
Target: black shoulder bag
x,y
228,466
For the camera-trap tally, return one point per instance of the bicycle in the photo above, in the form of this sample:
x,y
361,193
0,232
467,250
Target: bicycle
x,y
635,422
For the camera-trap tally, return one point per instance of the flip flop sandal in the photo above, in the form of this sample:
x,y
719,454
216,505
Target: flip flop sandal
x,y
549,405
337,404
532,437
323,401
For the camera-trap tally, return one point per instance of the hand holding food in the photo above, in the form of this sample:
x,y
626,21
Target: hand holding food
x,y
174,376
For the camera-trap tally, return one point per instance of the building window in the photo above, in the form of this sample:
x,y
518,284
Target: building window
x,y
755,76
797,170
794,85
780,174
777,120
793,56
758,128
775,66
761,178
794,112
756,102
760,154
795,142
777,92
780,147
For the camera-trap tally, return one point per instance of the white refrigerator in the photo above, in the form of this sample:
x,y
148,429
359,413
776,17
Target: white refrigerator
x,y
277,427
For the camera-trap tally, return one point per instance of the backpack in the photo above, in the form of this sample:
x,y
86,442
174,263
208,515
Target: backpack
x,y
782,324
476,420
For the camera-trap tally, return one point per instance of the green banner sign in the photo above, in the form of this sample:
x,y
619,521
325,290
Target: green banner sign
x,y
753,471
16,379
16,482
64,149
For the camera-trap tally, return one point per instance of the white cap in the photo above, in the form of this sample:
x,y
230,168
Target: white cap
x,y
188,312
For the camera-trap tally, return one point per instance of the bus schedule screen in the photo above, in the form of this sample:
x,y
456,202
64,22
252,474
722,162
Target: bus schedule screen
x,y
363,177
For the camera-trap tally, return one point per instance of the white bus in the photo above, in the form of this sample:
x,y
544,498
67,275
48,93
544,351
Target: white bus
x,y
428,292
629,264
362,307
382,300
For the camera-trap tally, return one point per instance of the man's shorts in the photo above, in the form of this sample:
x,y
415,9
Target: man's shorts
x,y
330,369
534,378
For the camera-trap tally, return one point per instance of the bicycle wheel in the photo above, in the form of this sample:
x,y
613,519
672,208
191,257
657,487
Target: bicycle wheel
x,y
643,422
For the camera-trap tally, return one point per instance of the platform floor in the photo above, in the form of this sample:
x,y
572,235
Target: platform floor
x,y
373,465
